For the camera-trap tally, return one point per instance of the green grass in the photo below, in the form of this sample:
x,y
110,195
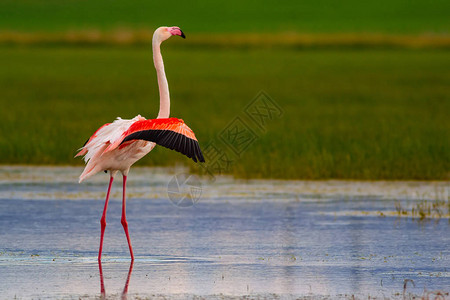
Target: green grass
x,y
348,114
386,16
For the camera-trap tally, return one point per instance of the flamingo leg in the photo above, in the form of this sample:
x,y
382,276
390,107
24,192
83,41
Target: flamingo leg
x,y
102,282
124,217
125,288
103,219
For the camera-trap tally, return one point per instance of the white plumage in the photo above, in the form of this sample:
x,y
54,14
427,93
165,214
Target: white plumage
x,y
108,134
120,159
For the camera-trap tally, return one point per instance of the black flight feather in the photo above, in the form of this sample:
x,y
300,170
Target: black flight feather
x,y
170,139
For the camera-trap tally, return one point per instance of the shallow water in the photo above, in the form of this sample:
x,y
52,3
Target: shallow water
x,y
259,238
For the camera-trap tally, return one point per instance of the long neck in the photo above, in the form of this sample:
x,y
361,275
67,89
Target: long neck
x,y
164,97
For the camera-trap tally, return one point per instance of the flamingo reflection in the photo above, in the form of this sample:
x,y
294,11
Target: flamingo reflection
x,y
102,281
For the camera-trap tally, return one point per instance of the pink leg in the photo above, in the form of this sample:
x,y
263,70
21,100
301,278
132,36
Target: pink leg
x,y
125,288
124,217
102,282
103,219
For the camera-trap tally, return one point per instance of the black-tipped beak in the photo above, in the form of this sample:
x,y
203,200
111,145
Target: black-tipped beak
x,y
182,34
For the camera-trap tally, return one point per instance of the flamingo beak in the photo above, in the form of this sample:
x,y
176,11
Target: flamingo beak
x,y
177,31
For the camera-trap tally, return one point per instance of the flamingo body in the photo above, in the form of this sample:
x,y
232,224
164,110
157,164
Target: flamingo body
x,y
118,145
119,159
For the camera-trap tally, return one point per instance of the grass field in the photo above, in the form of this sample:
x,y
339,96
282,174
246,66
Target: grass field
x,y
366,114
385,16
365,86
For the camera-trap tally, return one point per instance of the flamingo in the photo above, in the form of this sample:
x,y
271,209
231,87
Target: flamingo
x,y
118,145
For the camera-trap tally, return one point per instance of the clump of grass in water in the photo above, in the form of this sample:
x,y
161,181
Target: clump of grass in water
x,y
426,209
399,208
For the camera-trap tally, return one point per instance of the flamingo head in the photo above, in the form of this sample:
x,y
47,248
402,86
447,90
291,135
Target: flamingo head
x,y
163,33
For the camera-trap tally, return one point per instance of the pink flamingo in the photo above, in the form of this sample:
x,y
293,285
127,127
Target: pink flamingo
x,y
116,146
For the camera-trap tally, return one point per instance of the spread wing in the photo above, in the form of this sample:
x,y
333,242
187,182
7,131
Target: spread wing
x,y
171,133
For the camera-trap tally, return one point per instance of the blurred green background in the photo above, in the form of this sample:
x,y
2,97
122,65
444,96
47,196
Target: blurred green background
x,y
229,16
365,87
